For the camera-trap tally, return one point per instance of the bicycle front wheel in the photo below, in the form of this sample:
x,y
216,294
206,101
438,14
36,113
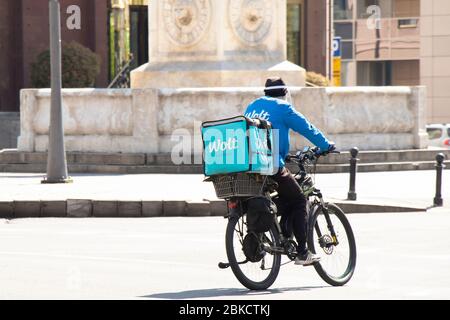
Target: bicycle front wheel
x,y
262,273
338,261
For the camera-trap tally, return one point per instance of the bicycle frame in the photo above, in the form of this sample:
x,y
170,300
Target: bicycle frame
x,y
315,202
310,191
321,234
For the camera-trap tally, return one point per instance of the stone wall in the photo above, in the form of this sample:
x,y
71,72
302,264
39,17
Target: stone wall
x,y
145,121
9,129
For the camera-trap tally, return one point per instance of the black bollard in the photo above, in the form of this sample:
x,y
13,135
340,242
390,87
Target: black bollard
x,y
353,169
438,201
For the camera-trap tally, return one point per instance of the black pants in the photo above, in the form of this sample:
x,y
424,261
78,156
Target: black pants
x,y
293,207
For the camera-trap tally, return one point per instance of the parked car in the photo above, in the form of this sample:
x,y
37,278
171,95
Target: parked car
x,y
439,135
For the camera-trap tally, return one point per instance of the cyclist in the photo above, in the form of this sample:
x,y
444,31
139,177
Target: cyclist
x,y
274,108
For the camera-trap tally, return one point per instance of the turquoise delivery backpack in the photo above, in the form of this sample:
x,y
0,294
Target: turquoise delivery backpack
x,y
237,145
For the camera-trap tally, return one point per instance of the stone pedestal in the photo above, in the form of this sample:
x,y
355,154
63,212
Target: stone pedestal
x,y
216,43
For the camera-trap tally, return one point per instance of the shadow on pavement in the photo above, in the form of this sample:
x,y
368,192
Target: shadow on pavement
x,y
216,293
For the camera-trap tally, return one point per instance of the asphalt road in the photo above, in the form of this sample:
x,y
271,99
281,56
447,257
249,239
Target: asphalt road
x,y
400,256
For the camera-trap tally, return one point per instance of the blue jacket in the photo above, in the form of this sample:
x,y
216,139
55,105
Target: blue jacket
x,y
284,117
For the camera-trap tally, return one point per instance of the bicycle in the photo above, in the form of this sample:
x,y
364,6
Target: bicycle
x,y
329,233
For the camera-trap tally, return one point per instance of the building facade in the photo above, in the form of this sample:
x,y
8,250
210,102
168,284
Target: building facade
x,y
24,33
397,42
117,30
435,58
380,41
384,42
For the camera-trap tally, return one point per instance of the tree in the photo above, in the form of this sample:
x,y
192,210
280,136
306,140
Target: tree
x,y
80,67
317,79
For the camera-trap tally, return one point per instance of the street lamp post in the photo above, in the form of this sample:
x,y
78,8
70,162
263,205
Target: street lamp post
x,y
56,163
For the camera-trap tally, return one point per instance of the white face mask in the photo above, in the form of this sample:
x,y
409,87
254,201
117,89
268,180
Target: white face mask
x,y
288,96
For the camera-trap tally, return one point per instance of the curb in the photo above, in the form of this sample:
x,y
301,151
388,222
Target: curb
x,y
74,208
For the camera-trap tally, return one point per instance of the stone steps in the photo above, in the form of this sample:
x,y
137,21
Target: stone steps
x,y
386,156
102,163
165,169
379,167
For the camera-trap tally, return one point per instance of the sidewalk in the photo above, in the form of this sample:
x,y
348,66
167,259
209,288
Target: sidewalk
x,y
188,194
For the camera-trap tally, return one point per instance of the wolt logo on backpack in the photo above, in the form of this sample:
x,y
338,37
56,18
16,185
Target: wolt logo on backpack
x,y
219,145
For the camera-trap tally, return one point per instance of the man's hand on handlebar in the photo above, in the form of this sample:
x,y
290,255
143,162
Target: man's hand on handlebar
x,y
331,149
312,154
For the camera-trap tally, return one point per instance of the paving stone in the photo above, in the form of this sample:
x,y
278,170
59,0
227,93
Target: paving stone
x,y
198,209
53,209
152,209
130,209
6,210
105,209
27,209
174,208
218,208
79,208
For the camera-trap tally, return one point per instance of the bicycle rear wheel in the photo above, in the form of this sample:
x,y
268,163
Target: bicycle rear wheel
x,y
262,273
338,262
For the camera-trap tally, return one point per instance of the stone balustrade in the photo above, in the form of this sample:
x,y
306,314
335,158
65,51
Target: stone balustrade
x,y
157,120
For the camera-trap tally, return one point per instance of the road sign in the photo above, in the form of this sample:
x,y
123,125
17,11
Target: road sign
x,y
337,61
337,47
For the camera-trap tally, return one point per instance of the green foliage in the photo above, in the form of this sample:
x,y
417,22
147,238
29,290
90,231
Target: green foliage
x,y
317,79
80,67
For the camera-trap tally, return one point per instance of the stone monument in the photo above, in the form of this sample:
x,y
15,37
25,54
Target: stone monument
x,y
216,43
208,60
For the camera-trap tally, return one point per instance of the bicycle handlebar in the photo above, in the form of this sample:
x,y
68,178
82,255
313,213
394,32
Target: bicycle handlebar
x,y
311,154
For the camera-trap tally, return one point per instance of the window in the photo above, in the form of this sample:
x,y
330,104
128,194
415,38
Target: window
x,y
343,9
139,35
295,32
344,30
347,74
385,8
374,73
363,5
347,50
434,133
407,23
